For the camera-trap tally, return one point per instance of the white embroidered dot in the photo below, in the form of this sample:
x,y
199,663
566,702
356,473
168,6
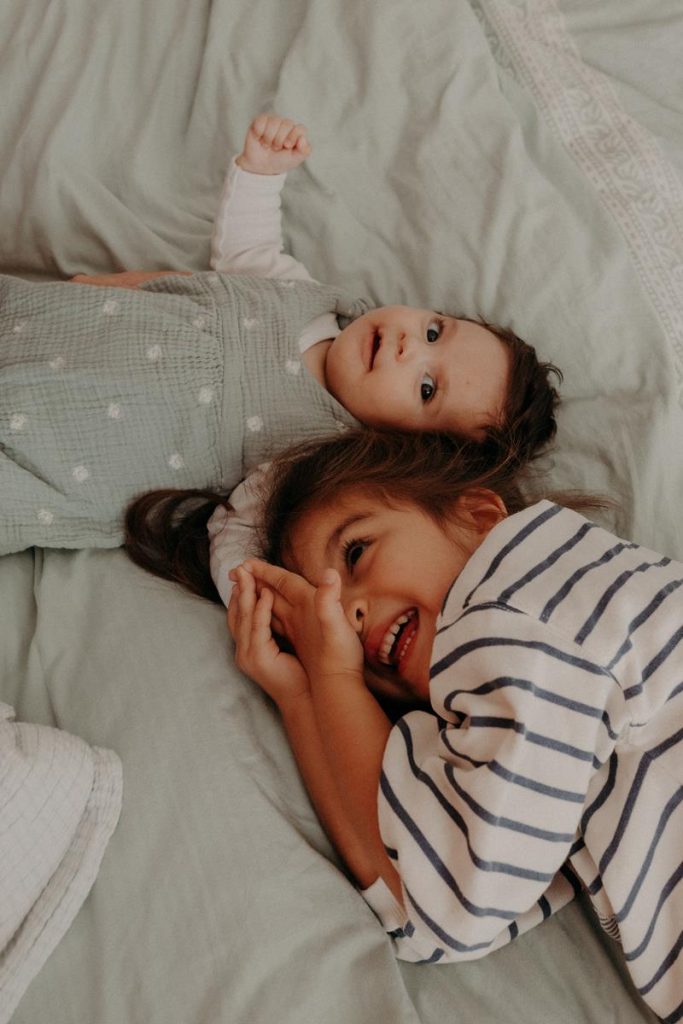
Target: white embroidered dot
x,y
287,284
114,411
213,279
154,353
110,307
80,473
19,326
176,461
205,395
45,516
293,366
17,421
254,423
199,322
341,426
249,322
58,363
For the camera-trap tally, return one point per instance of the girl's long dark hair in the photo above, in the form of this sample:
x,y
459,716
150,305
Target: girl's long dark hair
x,y
166,534
166,530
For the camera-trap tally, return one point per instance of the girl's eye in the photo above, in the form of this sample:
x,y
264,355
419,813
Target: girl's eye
x,y
353,549
427,388
434,330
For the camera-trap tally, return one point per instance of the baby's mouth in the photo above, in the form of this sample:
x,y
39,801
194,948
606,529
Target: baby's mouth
x,y
374,349
397,640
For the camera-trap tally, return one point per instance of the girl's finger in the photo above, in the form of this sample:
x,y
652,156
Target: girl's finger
x,y
261,622
328,599
246,600
287,584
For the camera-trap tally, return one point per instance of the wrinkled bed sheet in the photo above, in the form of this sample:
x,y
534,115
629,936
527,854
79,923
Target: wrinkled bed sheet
x,y
521,160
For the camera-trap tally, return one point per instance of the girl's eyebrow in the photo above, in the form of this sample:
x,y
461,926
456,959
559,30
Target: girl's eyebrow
x,y
333,540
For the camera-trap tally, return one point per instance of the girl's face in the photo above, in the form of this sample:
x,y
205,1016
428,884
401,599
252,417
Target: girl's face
x,y
413,369
396,566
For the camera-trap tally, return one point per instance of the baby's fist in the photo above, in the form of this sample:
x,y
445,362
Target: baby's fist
x,y
273,145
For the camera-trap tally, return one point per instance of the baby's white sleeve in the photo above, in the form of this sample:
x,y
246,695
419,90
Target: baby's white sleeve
x,y
232,534
247,236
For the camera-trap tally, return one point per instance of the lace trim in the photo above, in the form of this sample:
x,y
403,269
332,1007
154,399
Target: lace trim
x,y
634,179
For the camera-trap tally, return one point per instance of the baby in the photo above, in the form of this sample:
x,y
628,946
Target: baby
x,y
189,381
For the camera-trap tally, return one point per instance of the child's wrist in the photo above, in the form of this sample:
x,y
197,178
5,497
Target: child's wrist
x,y
243,164
336,679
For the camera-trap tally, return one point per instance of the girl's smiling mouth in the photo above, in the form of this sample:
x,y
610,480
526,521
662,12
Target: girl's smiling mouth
x,y
395,643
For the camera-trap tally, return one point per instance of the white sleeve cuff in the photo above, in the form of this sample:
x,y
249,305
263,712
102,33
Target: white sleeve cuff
x,y
382,901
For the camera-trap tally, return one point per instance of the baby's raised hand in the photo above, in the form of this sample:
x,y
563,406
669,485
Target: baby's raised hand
x,y
273,145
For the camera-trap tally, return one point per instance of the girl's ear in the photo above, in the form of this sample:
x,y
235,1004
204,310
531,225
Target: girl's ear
x,y
481,510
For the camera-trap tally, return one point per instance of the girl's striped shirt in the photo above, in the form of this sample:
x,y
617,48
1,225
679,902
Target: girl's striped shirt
x,y
554,756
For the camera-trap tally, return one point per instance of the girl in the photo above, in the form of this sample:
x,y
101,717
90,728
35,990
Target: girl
x,y
190,381
549,651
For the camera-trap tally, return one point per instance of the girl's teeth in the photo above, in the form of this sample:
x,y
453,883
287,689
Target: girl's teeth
x,y
386,647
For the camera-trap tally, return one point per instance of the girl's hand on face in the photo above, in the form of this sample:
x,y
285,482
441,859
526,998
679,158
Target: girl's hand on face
x,y
313,620
257,654
274,145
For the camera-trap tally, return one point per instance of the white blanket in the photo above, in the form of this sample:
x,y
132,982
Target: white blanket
x,y
60,801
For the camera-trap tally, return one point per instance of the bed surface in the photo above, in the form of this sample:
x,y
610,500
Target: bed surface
x,y
522,160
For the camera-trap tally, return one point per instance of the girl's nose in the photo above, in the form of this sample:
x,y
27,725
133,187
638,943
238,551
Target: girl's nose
x,y
356,610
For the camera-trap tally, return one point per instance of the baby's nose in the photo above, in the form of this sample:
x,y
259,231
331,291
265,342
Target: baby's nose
x,y
405,346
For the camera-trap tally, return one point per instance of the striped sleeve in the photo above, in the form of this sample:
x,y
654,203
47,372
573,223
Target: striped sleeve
x,y
480,802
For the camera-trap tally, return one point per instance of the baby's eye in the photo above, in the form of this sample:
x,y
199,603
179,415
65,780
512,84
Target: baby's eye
x,y
434,329
427,388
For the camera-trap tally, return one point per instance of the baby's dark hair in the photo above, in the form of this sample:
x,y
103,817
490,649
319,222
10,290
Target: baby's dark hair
x,y
528,423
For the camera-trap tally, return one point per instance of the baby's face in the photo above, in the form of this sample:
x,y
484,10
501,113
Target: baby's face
x,y
413,369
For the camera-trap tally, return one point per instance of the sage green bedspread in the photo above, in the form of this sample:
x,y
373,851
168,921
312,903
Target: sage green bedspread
x,y
522,159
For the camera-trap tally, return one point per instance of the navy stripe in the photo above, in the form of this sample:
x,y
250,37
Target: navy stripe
x,y
500,822
646,761
446,740
498,641
538,739
481,606
566,871
541,567
537,787
675,1016
614,587
444,937
577,576
518,539
527,685
455,816
604,793
545,907
666,963
669,809
513,930
433,857
642,617
655,663
671,884
577,845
